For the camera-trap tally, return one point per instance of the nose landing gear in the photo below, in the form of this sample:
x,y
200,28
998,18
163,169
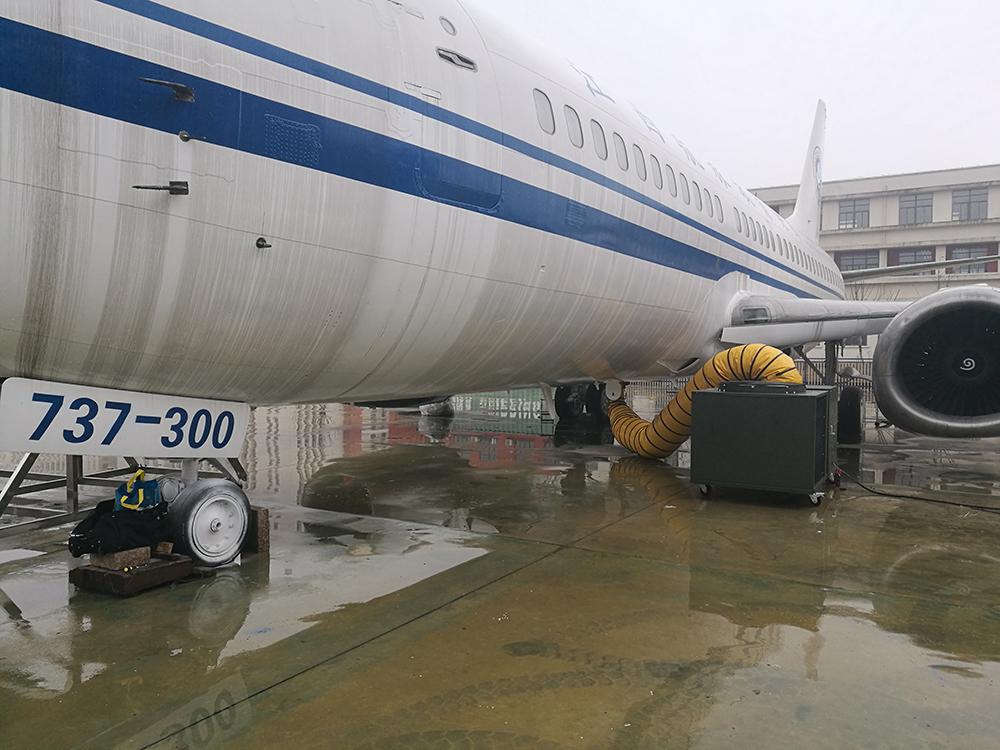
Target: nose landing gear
x,y
209,519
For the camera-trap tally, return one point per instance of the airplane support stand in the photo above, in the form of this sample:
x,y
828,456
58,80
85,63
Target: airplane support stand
x,y
23,481
550,403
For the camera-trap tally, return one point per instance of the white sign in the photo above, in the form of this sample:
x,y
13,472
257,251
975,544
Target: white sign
x,y
37,416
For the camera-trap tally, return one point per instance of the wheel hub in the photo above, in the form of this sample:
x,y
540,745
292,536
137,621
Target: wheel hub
x,y
218,526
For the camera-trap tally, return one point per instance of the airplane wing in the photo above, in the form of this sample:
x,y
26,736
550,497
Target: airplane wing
x,y
792,322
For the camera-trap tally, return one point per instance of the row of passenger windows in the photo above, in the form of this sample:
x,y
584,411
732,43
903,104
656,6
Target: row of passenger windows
x,y
690,192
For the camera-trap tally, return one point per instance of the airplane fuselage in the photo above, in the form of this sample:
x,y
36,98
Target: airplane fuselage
x,y
383,199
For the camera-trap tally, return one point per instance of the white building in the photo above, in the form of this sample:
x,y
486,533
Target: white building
x,y
900,219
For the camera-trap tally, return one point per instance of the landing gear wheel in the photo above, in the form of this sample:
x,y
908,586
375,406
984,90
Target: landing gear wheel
x,y
570,401
209,520
850,427
597,401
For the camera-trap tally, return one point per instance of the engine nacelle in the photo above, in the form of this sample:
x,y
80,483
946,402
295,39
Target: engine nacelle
x,y
937,364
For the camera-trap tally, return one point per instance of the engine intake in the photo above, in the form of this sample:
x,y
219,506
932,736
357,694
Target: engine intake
x,y
937,364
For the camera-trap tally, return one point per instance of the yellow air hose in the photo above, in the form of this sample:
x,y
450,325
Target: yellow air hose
x,y
672,426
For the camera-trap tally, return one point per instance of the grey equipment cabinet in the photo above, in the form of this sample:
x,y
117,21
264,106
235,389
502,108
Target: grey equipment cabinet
x,y
765,436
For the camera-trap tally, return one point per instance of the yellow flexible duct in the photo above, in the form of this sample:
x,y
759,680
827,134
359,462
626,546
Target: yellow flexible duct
x,y
672,426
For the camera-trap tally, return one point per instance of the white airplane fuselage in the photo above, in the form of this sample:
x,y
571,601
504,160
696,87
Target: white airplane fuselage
x,y
375,208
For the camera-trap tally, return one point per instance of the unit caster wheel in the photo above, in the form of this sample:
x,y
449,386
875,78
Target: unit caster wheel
x,y
705,489
209,520
815,499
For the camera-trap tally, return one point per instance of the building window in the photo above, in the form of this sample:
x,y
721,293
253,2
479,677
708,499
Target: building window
x,y
968,204
908,256
543,109
856,260
600,143
573,126
916,208
971,251
853,214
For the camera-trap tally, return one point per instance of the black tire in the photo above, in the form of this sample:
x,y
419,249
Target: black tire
x,y
209,521
597,401
570,401
850,424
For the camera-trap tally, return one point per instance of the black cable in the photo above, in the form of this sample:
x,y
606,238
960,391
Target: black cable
x,y
987,508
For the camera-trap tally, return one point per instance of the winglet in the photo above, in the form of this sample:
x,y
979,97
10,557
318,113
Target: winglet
x,y
806,217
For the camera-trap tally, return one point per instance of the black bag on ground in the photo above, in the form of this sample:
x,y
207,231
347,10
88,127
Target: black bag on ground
x,y
107,530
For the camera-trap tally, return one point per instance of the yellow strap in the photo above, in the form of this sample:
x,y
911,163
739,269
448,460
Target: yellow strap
x,y
140,475
132,507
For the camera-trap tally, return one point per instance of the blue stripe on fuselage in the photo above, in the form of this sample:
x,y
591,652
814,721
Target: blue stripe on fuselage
x,y
258,48
93,79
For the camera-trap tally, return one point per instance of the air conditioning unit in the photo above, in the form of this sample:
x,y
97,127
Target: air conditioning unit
x,y
764,436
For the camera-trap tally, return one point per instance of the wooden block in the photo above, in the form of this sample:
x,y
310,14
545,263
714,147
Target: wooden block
x,y
165,548
130,558
258,538
162,569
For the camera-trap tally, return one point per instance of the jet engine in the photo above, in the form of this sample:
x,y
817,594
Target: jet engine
x,y
937,364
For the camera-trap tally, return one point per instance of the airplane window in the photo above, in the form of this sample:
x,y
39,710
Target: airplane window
x,y
573,126
718,210
671,179
685,190
543,108
696,191
708,203
760,232
654,167
753,229
620,151
640,162
600,143
736,214
770,235
746,224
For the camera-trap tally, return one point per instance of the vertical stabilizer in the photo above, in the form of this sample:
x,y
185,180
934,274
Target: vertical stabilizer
x,y
806,216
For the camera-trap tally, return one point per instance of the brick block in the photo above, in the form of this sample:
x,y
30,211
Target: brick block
x,y
258,538
130,558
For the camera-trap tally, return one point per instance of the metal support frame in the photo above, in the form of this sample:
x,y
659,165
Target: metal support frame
x,y
22,481
550,404
830,361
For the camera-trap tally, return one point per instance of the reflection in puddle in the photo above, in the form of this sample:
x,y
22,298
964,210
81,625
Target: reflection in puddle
x,y
617,607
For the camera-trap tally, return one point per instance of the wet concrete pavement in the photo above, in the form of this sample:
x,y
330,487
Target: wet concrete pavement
x,y
489,581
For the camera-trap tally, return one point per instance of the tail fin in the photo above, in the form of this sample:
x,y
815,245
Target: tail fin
x,y
806,216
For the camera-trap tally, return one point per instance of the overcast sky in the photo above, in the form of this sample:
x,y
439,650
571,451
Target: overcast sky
x,y
910,85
